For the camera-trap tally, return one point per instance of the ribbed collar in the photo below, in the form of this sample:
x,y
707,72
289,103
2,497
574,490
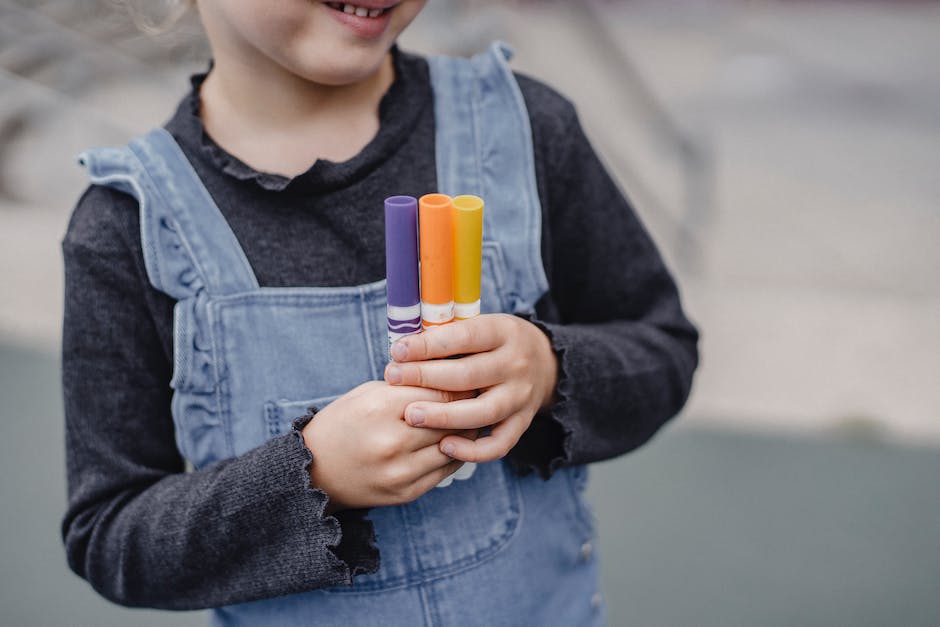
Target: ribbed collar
x,y
399,111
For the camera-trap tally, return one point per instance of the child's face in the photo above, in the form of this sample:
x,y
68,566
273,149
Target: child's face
x,y
316,40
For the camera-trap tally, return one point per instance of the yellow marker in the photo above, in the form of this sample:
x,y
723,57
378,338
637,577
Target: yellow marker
x,y
468,257
468,252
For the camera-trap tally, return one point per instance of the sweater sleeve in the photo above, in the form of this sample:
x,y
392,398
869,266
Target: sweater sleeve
x,y
626,350
141,530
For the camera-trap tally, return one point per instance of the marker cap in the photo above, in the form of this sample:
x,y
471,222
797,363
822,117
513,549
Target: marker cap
x,y
468,248
437,249
401,250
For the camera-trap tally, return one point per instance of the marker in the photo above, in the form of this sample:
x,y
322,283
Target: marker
x,y
468,251
468,257
437,259
401,267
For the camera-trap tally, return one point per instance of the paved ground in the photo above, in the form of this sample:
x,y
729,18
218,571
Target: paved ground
x,y
700,528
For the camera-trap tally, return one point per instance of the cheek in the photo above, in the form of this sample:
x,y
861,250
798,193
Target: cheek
x,y
276,29
405,13
262,24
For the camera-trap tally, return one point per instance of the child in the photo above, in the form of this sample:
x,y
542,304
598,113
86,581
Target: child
x,y
225,273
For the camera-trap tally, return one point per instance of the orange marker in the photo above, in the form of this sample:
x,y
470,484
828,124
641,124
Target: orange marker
x,y
436,243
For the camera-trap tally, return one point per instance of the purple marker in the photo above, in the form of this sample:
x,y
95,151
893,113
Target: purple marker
x,y
401,267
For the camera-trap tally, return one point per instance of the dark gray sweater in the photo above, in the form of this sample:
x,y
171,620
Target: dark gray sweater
x,y
144,532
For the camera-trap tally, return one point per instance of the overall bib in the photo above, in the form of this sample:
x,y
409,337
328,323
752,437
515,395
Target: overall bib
x,y
494,549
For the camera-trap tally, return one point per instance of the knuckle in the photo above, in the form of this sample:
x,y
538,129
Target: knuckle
x,y
421,377
531,391
441,418
422,345
383,445
500,449
470,455
428,341
392,493
517,365
495,410
363,389
465,377
409,492
373,404
468,334
409,373
475,455
394,476
505,322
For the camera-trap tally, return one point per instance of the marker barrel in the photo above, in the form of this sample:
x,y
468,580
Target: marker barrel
x,y
468,260
401,267
437,259
468,254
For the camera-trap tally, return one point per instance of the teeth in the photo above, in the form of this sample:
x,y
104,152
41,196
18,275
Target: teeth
x,y
352,9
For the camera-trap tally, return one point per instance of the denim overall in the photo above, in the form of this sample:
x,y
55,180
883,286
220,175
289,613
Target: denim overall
x,y
494,549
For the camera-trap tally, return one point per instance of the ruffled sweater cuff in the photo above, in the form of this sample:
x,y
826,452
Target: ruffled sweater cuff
x,y
546,445
352,540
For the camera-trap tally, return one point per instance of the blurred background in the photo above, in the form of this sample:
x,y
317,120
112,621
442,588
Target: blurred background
x,y
785,156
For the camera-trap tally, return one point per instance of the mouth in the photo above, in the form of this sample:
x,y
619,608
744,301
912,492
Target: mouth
x,y
358,9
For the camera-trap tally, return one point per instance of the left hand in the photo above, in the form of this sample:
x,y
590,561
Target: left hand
x,y
508,360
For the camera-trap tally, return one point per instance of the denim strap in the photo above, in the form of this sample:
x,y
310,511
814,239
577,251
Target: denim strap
x,y
193,215
484,147
187,244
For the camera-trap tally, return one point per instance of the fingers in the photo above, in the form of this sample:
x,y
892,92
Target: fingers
x,y
494,446
430,480
409,394
473,372
453,466
475,335
491,407
414,475
417,439
428,459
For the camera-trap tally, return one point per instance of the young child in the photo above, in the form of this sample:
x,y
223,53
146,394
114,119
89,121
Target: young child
x,y
225,273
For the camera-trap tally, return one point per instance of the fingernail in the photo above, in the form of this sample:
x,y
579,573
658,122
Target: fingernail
x,y
393,375
448,448
416,416
399,351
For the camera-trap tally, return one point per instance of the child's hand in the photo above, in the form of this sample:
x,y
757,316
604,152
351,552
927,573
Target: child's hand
x,y
509,360
365,455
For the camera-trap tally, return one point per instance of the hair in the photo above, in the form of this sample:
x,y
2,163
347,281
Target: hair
x,y
156,17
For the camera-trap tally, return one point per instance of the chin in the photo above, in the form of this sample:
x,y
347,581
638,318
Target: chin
x,y
351,69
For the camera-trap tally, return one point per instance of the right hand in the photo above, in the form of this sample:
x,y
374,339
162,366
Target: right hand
x,y
366,455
